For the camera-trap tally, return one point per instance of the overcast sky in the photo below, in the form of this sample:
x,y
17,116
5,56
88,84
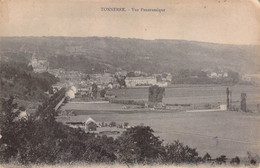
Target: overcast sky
x,y
218,21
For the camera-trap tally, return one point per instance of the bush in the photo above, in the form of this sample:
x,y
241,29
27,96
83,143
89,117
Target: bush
x,y
235,161
103,92
221,160
112,124
126,124
252,159
253,162
178,153
206,158
128,102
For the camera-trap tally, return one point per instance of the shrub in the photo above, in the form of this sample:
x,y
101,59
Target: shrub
x,y
235,161
221,160
103,93
112,124
178,153
252,159
206,158
126,124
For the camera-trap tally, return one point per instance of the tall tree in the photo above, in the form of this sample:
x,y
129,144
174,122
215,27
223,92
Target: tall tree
x,y
139,145
94,90
121,81
156,94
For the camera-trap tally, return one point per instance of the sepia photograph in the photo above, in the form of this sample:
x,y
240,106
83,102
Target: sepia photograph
x,y
129,83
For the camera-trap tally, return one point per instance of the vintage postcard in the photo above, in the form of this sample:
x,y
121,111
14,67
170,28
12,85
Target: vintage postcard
x,y
129,83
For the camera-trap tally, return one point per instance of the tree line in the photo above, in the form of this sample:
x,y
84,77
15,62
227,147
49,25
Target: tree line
x,y
19,79
188,76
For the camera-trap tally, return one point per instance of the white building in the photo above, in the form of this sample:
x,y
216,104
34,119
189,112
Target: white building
x,y
39,65
169,77
162,84
213,75
225,75
251,78
140,81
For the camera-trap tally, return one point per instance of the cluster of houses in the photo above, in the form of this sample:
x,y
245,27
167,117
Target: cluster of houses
x,y
252,78
144,81
91,126
105,80
217,74
255,78
84,82
108,80
39,65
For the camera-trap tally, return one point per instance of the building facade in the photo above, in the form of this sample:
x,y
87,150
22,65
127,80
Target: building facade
x,y
140,81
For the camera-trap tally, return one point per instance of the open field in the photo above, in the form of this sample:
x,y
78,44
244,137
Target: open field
x,y
236,132
196,94
94,106
223,132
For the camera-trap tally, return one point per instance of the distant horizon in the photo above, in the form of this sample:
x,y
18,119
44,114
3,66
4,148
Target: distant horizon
x,y
33,36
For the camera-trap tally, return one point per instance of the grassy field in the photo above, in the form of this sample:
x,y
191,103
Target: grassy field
x,y
229,133
197,94
225,132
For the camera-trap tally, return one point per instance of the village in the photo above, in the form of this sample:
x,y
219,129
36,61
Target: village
x,y
98,92
123,78
110,103
166,84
